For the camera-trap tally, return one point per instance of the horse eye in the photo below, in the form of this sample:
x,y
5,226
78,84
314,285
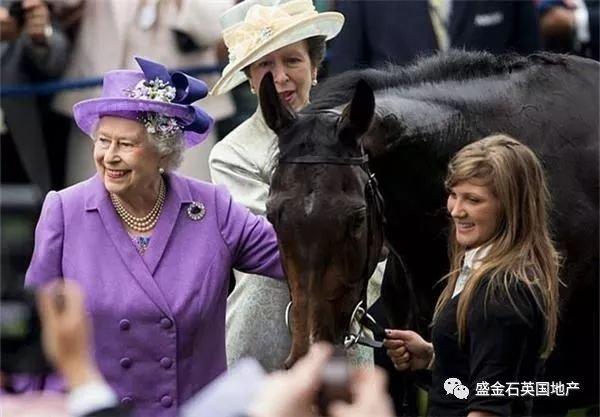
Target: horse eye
x,y
357,220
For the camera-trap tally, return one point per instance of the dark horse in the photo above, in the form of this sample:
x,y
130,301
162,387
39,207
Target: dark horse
x,y
409,122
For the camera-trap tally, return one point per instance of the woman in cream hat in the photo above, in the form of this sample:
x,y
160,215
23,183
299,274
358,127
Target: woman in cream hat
x,y
286,38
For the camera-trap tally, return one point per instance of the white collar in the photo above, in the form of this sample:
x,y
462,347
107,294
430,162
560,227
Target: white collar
x,y
473,257
472,260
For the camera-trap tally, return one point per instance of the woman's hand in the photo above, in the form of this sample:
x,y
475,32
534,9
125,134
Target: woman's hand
x,y
407,350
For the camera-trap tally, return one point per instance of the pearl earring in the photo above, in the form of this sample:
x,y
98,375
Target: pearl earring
x,y
252,90
314,82
161,170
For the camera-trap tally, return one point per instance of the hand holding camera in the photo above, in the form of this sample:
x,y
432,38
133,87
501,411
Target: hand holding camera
x,y
37,21
66,332
321,383
31,17
370,397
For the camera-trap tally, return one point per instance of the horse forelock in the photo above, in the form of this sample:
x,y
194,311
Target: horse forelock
x,y
313,134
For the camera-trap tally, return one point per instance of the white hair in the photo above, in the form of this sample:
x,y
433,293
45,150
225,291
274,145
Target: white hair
x,y
169,146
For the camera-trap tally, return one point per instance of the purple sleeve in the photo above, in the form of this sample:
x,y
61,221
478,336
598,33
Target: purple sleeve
x,y
46,262
250,238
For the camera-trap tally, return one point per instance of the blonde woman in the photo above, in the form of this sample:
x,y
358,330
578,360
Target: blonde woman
x,y
496,319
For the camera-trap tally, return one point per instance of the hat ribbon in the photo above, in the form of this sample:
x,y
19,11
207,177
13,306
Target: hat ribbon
x,y
261,23
187,90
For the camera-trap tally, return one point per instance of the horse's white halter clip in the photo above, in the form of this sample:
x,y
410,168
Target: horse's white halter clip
x,y
357,332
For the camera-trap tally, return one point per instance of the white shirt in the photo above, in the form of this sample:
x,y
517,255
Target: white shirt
x,y
471,261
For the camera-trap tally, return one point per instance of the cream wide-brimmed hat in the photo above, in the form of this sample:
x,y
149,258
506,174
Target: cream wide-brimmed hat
x,y
255,28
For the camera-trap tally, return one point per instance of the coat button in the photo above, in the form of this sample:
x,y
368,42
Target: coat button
x,y
166,363
165,323
126,363
166,401
124,324
127,401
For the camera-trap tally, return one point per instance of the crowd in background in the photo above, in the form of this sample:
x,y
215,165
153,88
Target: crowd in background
x,y
82,39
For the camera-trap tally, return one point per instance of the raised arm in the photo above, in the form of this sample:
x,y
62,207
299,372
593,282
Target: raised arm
x,y
250,238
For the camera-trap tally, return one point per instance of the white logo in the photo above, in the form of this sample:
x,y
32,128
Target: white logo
x,y
455,387
489,19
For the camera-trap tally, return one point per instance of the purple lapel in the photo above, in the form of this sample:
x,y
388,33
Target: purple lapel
x,y
98,198
178,193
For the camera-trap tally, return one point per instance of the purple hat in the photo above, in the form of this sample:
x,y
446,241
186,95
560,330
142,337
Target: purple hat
x,y
162,101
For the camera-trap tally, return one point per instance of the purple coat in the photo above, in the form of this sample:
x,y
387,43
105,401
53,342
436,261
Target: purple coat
x,y
158,320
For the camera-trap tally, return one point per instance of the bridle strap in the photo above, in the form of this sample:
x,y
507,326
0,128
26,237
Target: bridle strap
x,y
332,160
375,216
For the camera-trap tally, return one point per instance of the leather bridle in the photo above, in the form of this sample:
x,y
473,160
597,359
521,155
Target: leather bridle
x,y
375,218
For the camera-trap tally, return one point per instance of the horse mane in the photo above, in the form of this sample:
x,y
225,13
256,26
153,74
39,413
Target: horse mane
x,y
455,65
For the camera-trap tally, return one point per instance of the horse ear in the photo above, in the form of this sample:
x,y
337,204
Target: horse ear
x,y
277,115
357,116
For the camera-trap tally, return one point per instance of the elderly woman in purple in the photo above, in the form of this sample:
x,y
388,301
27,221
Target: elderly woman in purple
x,y
152,249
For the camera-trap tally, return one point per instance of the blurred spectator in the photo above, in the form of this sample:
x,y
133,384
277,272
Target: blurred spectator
x,y
245,390
570,26
66,339
34,48
294,393
398,31
178,33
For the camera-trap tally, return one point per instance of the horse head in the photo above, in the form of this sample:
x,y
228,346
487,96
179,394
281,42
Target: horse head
x,y
324,207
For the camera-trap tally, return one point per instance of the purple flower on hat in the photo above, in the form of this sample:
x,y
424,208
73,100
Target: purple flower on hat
x,y
161,125
153,90
159,90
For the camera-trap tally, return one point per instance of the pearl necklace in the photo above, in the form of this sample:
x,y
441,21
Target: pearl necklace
x,y
141,224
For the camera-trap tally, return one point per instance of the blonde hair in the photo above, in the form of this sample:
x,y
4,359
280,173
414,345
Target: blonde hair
x,y
522,248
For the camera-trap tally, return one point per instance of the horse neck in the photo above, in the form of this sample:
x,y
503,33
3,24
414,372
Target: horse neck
x,y
409,155
409,123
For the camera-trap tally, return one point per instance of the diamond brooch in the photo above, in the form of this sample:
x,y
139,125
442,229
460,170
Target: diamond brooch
x,y
196,211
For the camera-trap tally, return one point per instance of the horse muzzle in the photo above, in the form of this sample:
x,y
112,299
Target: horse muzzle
x,y
362,329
